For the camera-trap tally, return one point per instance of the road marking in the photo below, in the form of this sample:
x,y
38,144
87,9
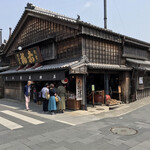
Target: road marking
x,y
9,124
9,106
65,122
22,117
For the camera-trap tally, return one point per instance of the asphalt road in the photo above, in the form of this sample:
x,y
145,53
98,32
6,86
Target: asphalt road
x,y
34,130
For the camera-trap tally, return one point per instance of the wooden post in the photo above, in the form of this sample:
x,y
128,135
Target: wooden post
x,y
93,97
106,86
84,102
126,87
93,90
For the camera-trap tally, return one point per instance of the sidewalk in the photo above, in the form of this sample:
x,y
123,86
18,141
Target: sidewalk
x,y
80,116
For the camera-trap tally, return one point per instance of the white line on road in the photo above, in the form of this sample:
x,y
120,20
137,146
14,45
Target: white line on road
x,y
22,117
9,124
9,106
65,122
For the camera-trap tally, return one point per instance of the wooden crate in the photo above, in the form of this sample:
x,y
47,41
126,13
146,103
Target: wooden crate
x,y
73,104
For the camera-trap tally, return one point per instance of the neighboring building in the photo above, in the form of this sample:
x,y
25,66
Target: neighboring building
x,y
55,47
3,67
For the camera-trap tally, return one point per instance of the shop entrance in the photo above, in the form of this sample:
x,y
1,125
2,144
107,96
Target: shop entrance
x,y
114,87
101,85
98,81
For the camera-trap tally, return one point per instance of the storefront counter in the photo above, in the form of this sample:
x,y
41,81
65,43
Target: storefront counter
x,y
73,104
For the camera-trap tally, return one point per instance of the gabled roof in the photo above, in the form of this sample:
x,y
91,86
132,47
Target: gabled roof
x,y
31,9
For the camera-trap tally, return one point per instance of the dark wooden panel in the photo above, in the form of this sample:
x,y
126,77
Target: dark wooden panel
x,y
35,29
135,52
100,51
43,76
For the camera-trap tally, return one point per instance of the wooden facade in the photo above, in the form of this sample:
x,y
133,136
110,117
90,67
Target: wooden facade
x,y
102,51
62,39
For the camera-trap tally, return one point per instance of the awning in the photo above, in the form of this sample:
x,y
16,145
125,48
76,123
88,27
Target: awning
x,y
60,66
108,67
137,61
51,72
142,65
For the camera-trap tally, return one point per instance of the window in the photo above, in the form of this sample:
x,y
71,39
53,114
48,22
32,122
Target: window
x,y
48,51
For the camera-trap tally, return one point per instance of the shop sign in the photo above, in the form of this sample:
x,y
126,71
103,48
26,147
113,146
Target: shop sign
x,y
29,56
140,80
79,87
42,76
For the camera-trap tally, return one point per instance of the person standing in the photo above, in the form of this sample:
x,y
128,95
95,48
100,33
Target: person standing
x,y
52,102
61,91
39,95
34,93
45,101
27,91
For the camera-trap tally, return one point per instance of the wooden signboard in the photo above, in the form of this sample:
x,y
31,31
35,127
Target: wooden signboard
x,y
29,56
79,87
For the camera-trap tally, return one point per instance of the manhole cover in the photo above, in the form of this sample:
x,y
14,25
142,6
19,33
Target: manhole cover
x,y
123,131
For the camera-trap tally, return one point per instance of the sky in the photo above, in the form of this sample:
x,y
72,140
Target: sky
x,y
127,17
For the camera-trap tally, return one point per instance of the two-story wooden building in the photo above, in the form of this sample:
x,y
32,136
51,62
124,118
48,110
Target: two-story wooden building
x,y
48,47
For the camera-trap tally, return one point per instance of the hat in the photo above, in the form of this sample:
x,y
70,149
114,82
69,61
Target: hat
x,y
65,81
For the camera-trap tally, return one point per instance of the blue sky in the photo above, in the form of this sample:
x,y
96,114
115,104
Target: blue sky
x,y
128,17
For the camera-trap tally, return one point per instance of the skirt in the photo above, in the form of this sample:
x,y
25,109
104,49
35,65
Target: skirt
x,y
52,103
61,104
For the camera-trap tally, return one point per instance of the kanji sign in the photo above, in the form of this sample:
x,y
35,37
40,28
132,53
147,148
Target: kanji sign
x,y
29,56
79,87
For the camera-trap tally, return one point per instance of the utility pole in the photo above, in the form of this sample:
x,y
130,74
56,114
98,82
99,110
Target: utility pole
x,y
105,14
0,37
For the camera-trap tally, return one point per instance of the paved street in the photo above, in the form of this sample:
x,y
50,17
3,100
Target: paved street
x,y
74,130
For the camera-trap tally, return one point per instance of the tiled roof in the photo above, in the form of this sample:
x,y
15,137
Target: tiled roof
x,y
108,66
136,61
49,13
4,68
43,11
36,9
64,65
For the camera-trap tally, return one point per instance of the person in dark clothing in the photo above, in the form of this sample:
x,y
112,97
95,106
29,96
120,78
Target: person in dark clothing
x,y
45,101
52,102
38,89
34,93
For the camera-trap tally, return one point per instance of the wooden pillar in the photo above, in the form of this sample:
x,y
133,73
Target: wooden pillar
x,y
126,87
106,85
84,101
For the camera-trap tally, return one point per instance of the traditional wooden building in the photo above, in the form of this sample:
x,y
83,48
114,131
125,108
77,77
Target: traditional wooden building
x,y
48,47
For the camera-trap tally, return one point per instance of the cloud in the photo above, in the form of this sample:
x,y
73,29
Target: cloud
x,y
87,4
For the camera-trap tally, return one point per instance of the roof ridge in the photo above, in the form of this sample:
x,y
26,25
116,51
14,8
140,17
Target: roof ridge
x,y
54,14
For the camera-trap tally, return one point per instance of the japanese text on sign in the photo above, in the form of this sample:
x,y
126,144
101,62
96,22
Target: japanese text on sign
x,y
30,56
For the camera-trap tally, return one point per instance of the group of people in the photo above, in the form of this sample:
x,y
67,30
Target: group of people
x,y
49,104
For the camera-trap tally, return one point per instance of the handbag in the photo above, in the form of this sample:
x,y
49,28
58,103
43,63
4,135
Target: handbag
x,y
56,99
47,95
59,99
